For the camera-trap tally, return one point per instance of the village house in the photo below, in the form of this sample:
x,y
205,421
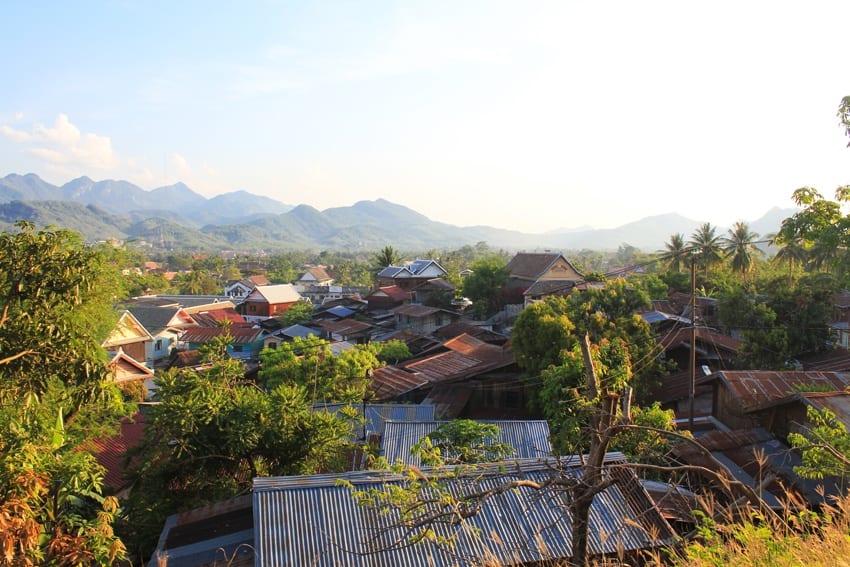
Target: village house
x,y
238,289
130,337
314,276
463,377
535,276
387,297
422,318
265,301
267,527
247,342
165,324
775,400
412,275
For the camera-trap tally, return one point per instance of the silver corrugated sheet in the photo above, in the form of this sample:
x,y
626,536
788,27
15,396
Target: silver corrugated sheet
x,y
530,439
311,520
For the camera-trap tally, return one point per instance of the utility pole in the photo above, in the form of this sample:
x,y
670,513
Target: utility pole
x,y
693,365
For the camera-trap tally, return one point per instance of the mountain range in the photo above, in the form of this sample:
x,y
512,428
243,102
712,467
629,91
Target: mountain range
x,y
175,217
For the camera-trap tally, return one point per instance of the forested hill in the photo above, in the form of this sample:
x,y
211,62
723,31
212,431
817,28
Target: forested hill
x,y
177,218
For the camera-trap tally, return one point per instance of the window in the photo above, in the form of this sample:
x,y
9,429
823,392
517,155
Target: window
x,y
237,348
158,344
252,308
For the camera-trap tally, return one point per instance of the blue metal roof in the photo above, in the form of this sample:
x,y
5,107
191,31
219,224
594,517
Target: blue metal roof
x,y
340,311
314,520
530,439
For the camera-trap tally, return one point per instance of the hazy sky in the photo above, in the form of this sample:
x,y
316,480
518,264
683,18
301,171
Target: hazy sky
x,y
525,115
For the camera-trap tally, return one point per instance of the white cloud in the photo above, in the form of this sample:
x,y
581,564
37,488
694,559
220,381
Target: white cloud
x,y
64,143
181,166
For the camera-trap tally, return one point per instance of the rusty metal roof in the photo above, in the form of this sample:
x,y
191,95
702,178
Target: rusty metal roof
x,y
241,335
529,439
755,388
706,337
390,382
449,400
834,360
314,520
836,402
416,310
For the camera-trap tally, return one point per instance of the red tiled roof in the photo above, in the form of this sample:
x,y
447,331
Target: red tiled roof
x,y
214,317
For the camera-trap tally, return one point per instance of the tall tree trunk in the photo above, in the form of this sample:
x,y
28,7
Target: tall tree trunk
x,y
592,480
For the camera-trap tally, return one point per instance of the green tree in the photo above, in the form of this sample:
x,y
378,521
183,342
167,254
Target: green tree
x,y
547,334
386,256
392,351
805,311
462,441
55,396
543,332
198,282
676,253
765,341
793,254
740,248
484,286
211,434
825,445
844,116
707,247
298,314
311,364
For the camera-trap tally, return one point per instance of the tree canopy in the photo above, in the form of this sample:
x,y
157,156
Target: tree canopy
x,y
55,395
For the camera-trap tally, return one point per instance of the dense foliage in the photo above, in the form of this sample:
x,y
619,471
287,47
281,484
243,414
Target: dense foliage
x,y
55,395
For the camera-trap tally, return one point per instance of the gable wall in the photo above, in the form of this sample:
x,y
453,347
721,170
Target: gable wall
x,y
560,270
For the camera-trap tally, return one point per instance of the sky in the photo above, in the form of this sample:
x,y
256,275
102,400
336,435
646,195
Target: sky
x,y
525,115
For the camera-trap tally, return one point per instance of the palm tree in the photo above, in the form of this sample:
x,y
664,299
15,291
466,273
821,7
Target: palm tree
x,y
740,246
386,256
676,253
706,245
792,253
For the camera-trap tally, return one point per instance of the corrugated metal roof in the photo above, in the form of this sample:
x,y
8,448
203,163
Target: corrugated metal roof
x,y
530,439
834,360
448,399
241,335
275,294
707,338
312,520
836,402
411,310
395,272
390,382
220,533
758,387
378,414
